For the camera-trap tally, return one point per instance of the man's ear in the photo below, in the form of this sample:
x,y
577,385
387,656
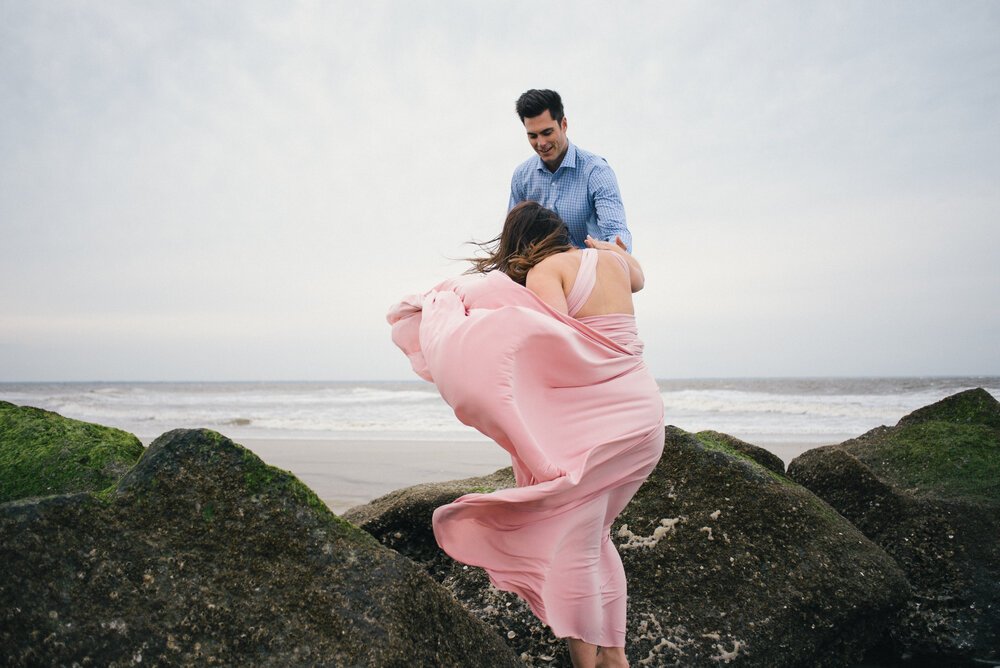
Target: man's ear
x,y
564,124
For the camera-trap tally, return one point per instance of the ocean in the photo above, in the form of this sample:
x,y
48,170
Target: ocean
x,y
771,412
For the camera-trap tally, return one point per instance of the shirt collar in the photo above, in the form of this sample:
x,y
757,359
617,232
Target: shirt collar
x,y
569,160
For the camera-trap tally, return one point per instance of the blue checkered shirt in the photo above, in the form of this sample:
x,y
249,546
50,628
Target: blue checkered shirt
x,y
583,191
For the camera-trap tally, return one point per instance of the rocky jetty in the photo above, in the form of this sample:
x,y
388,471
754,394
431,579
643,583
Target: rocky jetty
x,y
928,492
203,555
727,561
43,453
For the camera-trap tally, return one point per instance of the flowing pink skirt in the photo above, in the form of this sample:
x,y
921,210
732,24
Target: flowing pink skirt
x,y
582,418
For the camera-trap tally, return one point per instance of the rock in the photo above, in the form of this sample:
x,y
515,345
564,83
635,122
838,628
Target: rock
x,y
727,562
928,492
203,555
766,459
43,453
402,519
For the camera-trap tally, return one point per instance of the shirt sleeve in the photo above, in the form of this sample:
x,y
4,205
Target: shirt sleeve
x,y
516,191
603,187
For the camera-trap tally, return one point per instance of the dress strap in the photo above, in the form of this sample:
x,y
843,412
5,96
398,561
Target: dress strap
x,y
583,285
623,262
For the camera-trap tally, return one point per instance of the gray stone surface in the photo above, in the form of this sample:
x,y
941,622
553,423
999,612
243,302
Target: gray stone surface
x,y
928,491
728,562
202,555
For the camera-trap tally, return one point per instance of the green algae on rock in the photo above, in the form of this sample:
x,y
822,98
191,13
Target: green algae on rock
x,y
731,561
950,449
727,561
204,555
719,441
928,491
43,453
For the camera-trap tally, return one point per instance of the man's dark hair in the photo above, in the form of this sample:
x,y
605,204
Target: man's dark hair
x,y
533,102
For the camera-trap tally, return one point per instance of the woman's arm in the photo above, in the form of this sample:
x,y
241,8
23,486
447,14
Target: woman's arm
x,y
545,280
636,277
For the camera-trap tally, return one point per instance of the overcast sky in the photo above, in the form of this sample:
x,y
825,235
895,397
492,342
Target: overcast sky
x,y
240,190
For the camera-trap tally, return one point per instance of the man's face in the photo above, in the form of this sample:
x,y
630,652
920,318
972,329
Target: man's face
x,y
547,137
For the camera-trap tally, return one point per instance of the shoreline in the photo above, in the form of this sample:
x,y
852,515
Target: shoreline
x,y
350,472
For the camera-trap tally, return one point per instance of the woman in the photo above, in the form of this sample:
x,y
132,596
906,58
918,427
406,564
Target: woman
x,y
554,374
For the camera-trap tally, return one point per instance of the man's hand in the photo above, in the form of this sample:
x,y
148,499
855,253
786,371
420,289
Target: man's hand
x,y
591,242
636,277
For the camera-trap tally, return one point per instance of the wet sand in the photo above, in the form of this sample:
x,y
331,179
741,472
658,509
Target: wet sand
x,y
347,473
789,451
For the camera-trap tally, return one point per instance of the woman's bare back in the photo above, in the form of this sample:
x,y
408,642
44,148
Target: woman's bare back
x,y
552,280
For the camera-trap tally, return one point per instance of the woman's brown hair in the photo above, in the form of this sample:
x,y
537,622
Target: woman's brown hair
x,y
530,234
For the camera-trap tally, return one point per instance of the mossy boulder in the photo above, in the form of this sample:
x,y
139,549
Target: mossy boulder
x,y
720,441
928,492
43,453
402,519
204,555
728,562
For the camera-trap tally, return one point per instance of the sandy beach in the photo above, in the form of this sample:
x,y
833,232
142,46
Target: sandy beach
x,y
347,473
788,451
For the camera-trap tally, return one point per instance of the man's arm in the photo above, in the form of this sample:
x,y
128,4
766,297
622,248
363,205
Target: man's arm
x,y
603,189
516,191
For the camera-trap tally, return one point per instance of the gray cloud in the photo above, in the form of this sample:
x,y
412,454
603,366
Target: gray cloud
x,y
240,192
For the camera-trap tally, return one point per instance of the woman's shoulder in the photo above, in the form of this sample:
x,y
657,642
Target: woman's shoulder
x,y
607,255
561,267
555,261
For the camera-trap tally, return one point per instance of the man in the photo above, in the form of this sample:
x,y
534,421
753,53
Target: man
x,y
574,183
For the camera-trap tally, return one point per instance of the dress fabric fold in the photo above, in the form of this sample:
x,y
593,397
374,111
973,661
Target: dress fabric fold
x,y
581,416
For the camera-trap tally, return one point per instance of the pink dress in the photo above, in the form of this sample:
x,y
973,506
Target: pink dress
x,y
582,418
